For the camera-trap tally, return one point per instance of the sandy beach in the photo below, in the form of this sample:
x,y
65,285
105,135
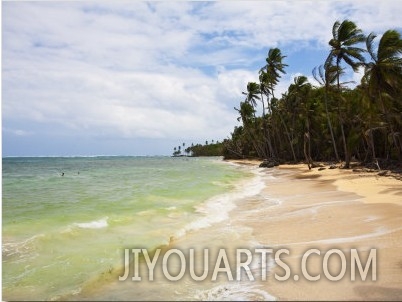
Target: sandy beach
x,y
296,210
324,210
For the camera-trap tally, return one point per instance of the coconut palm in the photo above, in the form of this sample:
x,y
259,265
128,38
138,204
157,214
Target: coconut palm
x,y
343,45
253,93
269,78
273,69
384,75
299,93
326,75
247,116
345,36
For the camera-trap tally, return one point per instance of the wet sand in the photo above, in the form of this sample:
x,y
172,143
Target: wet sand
x,y
297,210
324,210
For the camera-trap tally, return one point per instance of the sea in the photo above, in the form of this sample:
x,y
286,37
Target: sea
x,y
67,223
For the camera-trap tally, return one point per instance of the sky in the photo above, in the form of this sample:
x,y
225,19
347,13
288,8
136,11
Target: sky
x,y
139,78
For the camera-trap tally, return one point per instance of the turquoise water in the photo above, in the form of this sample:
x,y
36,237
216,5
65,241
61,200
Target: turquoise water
x,y
61,231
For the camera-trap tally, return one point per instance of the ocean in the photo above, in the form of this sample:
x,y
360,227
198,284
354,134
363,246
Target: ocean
x,y
68,220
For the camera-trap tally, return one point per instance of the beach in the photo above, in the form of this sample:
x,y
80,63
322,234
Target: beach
x,y
324,210
287,208
200,205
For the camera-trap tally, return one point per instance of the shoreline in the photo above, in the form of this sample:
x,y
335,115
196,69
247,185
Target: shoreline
x,y
328,209
296,209
371,187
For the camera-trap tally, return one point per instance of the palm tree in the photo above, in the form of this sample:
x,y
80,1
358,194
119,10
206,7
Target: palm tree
x,y
384,75
271,73
247,114
326,77
345,36
253,93
278,110
269,78
273,68
299,91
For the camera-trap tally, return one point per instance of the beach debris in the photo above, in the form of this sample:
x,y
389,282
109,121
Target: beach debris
x,y
316,165
377,164
321,168
383,173
269,163
364,170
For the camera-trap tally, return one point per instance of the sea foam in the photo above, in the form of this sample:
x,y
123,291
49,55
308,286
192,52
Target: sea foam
x,y
234,292
216,209
96,224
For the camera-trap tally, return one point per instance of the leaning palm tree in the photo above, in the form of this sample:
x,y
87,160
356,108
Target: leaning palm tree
x,y
273,69
384,75
345,36
253,93
269,78
326,77
278,110
274,63
247,116
343,45
299,92
265,89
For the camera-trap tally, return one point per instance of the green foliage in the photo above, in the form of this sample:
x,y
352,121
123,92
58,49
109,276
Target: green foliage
x,y
337,122
208,149
211,149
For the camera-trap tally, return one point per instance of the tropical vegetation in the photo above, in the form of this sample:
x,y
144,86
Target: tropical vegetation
x,y
330,121
207,149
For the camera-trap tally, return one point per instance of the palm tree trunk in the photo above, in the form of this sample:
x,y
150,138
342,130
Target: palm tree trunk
x,y
267,140
390,126
270,148
260,151
345,146
306,155
330,126
372,143
288,136
268,135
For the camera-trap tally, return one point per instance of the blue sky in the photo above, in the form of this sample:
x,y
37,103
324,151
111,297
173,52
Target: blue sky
x,y
138,78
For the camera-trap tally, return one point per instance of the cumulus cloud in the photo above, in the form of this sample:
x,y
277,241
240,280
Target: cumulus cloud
x,y
156,70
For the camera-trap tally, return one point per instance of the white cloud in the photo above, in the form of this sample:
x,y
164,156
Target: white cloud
x,y
158,69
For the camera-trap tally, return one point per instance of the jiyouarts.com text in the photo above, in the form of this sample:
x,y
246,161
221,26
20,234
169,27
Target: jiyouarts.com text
x,y
252,264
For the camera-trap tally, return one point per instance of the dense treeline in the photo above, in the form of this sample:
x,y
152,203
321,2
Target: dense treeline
x,y
214,149
208,149
328,122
